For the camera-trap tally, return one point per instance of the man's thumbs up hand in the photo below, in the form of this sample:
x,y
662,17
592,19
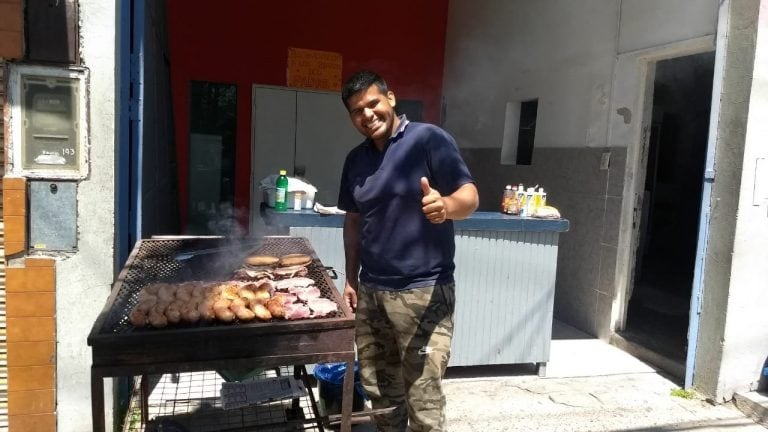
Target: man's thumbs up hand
x,y
432,204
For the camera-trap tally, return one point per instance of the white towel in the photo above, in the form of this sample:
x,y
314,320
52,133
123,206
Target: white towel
x,y
328,210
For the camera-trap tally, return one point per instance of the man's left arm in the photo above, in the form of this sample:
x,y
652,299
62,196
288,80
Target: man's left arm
x,y
458,205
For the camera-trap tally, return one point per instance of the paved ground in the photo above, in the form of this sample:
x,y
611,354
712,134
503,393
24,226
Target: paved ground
x,y
590,386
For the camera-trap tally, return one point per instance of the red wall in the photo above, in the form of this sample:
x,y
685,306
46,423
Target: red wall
x,y
246,42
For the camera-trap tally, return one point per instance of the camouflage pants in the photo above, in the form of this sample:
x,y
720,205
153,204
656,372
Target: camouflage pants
x,y
403,346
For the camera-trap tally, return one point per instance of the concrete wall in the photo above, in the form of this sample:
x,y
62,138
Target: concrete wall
x,y
83,281
564,54
734,293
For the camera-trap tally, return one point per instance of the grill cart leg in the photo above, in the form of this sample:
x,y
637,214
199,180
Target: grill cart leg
x,y
97,401
348,394
144,397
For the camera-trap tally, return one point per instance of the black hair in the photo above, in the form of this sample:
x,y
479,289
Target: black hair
x,y
360,81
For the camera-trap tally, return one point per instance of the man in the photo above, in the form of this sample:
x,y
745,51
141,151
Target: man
x,y
401,189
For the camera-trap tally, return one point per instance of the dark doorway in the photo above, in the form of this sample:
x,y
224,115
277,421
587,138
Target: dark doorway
x,y
658,312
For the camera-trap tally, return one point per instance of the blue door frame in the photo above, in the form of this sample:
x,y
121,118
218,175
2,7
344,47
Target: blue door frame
x,y
706,201
130,126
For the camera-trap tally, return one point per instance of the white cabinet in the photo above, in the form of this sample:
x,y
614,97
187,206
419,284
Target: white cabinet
x,y
294,129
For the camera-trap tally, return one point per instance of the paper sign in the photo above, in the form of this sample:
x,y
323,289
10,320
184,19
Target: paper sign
x,y
313,69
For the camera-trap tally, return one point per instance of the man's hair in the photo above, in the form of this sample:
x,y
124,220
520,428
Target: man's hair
x,y
360,81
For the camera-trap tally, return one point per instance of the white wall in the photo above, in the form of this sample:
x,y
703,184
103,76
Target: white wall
x,y
745,348
84,280
558,51
649,23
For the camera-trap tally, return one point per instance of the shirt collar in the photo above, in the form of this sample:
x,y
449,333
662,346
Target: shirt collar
x,y
396,136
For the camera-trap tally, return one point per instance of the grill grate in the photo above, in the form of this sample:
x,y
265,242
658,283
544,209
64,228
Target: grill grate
x,y
154,261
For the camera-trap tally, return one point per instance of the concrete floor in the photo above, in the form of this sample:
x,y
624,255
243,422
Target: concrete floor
x,y
590,386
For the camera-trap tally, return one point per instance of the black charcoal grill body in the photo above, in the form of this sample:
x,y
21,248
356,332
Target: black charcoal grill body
x,y
119,349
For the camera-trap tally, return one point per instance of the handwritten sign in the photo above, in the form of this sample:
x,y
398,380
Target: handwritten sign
x,y
313,69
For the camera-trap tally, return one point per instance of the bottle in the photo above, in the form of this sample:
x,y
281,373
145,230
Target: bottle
x,y
521,200
514,206
537,199
506,199
543,197
529,204
281,191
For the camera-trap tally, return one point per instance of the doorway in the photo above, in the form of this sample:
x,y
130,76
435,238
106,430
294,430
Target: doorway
x,y
657,315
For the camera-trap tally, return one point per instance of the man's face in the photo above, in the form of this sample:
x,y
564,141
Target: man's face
x,y
373,113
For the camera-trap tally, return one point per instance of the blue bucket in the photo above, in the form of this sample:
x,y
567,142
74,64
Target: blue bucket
x,y
330,385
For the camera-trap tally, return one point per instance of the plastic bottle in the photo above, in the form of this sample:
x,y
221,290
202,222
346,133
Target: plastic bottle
x,y
506,199
281,191
529,203
537,199
521,200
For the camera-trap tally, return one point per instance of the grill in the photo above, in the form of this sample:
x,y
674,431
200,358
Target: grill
x,y
183,260
119,349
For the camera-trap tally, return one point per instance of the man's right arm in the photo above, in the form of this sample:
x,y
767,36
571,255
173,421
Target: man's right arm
x,y
352,258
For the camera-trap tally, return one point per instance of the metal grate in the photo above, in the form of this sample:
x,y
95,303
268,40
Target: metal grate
x,y
154,261
192,401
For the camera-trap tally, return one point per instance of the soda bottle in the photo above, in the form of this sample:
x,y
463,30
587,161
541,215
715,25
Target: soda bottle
x,y
281,191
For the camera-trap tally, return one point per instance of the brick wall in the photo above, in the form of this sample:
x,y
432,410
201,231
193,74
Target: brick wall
x,y
31,322
11,28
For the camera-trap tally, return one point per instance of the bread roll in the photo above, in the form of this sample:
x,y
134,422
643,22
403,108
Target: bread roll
x,y
294,260
261,260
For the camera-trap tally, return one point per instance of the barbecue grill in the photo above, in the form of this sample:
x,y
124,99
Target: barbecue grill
x,y
119,349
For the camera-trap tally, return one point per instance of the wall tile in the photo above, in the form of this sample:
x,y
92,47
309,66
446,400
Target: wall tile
x,y
18,183
612,221
603,316
30,304
10,44
15,228
31,329
616,171
12,248
32,402
31,378
14,202
10,17
607,283
32,422
34,279
39,262
31,353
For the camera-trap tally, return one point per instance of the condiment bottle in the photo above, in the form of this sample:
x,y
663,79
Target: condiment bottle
x,y
506,199
281,191
521,199
529,203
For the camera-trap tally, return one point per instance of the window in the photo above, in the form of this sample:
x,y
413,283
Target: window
x,y
519,132
212,130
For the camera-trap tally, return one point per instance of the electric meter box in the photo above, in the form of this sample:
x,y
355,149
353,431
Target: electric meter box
x,y
52,215
48,122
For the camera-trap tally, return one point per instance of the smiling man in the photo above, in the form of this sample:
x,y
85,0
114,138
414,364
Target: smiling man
x,y
401,188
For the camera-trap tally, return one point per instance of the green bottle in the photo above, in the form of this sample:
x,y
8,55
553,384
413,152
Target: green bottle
x,y
281,191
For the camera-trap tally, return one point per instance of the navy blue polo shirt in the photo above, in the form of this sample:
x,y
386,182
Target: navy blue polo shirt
x,y
400,248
